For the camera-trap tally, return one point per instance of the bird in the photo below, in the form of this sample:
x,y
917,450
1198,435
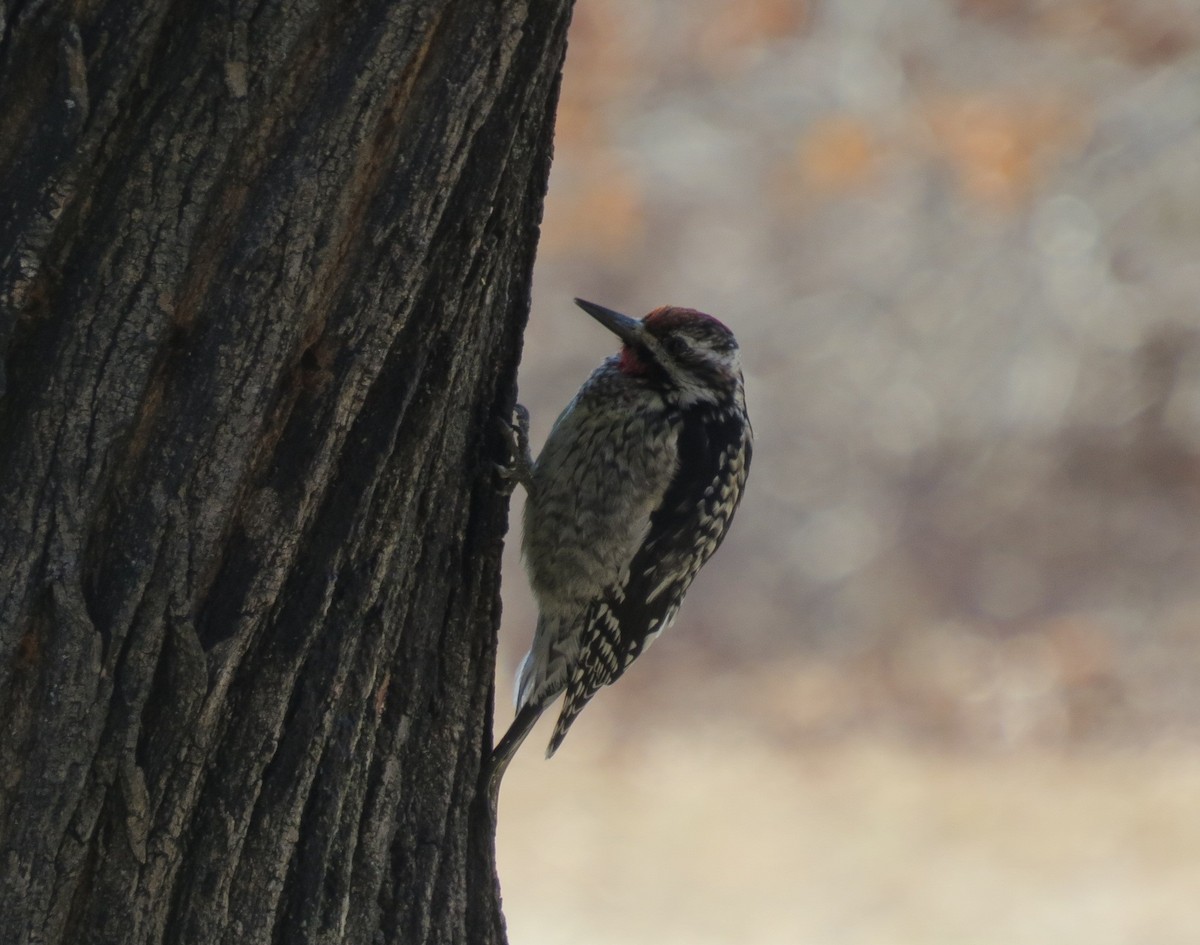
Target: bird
x,y
632,492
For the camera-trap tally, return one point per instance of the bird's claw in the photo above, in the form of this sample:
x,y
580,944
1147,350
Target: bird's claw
x,y
519,468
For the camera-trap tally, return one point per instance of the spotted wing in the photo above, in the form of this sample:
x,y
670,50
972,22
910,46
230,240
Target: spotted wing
x,y
685,530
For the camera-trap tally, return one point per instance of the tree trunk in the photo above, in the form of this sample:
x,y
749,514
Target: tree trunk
x,y
264,269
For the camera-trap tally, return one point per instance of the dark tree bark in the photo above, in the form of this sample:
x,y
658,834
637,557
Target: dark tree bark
x,y
264,268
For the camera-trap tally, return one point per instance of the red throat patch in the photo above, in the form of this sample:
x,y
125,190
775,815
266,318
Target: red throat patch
x,y
630,363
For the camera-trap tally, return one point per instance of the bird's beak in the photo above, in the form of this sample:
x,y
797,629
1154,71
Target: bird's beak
x,y
627,329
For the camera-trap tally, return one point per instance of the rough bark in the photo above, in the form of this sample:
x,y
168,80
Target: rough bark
x,y
264,268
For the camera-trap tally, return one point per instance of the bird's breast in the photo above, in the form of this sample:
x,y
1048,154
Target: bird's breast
x,y
603,471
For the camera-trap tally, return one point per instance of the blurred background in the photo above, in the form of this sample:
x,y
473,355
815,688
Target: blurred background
x,y
940,684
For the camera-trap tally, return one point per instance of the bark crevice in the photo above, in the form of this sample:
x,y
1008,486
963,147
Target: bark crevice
x,y
264,271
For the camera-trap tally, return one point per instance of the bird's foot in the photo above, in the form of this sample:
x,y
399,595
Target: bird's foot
x,y
519,468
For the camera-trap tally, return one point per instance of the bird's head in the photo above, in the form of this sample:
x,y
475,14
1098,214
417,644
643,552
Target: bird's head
x,y
693,356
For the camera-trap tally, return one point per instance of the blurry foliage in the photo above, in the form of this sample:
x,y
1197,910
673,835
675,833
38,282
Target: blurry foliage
x,y
959,242
939,685
1000,150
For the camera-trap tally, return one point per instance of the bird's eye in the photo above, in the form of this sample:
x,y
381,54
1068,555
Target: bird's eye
x,y
675,345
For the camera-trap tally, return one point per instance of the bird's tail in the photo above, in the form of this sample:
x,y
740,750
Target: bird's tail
x,y
521,726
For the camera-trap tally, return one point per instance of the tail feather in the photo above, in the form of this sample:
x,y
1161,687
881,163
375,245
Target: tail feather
x,y
521,726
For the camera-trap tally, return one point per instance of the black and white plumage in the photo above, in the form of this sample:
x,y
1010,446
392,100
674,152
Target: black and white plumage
x,y
632,493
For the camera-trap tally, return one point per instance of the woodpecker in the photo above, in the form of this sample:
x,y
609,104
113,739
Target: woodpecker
x,y
631,494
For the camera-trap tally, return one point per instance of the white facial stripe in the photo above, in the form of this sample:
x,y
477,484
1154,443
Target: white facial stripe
x,y
692,390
